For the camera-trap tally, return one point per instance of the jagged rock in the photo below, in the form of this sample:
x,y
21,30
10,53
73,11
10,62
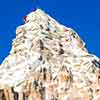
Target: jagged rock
x,y
49,61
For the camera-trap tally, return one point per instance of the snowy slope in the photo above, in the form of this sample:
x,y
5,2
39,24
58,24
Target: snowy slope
x,y
53,56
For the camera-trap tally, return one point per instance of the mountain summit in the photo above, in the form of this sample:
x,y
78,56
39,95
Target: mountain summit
x,y
49,61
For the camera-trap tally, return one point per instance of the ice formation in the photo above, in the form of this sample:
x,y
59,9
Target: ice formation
x,y
48,61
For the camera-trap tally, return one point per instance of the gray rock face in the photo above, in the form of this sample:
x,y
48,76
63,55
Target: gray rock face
x,y
49,61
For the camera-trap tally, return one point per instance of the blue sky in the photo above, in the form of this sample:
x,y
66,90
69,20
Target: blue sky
x,y
81,15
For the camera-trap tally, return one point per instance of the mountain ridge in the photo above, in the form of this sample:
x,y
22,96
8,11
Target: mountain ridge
x,y
52,58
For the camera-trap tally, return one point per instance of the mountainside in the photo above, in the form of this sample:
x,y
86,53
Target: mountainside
x,y
49,61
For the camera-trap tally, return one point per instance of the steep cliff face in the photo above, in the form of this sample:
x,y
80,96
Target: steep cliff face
x,y
49,61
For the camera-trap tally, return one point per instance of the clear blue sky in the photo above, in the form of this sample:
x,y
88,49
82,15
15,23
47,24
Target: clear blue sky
x,y
81,15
